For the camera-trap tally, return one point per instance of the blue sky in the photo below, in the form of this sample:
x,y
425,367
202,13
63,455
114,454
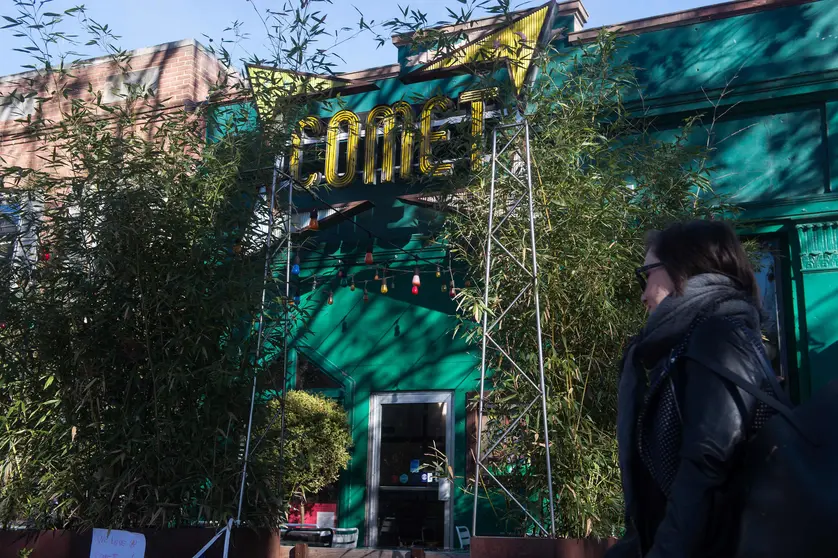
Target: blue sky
x,y
149,22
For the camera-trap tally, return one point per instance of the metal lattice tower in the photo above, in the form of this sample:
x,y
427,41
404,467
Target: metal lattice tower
x,y
511,161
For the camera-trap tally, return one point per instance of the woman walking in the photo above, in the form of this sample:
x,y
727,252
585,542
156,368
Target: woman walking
x,y
680,426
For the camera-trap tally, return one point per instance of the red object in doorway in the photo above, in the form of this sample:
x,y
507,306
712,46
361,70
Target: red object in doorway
x,y
311,512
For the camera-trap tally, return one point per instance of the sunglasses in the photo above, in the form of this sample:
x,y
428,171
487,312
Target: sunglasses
x,y
642,274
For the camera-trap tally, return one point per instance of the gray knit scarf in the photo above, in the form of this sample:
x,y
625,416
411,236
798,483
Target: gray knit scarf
x,y
709,295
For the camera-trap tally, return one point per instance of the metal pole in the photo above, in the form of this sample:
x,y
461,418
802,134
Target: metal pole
x,y
486,280
229,530
290,185
225,531
258,341
538,332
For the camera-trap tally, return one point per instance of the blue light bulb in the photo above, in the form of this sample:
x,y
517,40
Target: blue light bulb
x,y
297,300
295,269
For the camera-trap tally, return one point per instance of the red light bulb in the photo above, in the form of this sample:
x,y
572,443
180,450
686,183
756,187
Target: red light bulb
x,y
312,221
366,296
368,259
414,289
46,256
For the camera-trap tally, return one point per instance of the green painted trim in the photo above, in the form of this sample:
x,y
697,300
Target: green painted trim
x,y
759,229
830,118
799,312
291,378
347,397
794,208
791,321
774,89
331,393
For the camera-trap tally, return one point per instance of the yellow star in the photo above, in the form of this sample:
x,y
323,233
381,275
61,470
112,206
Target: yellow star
x,y
515,43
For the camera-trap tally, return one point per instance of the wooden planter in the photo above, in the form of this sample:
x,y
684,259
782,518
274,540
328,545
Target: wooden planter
x,y
509,547
162,543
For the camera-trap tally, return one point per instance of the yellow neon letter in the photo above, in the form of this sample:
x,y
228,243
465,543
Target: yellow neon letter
x,y
315,127
405,111
477,99
384,115
353,124
426,164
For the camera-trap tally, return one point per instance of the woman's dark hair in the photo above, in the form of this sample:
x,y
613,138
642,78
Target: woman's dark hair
x,y
696,247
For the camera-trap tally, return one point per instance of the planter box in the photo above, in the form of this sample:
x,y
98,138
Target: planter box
x,y
162,543
530,547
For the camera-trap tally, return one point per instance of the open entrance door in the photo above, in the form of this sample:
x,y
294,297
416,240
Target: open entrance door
x,y
406,505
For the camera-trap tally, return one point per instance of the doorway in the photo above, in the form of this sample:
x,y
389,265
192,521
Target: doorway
x,y
407,505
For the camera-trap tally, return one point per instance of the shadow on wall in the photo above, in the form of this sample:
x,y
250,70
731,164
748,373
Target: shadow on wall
x,y
395,341
176,78
705,57
768,157
760,158
822,326
777,154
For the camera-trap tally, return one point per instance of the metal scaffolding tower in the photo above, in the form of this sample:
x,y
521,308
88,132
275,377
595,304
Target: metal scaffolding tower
x,y
511,162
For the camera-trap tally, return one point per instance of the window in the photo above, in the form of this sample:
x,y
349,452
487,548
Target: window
x,y
311,376
137,83
768,273
15,106
9,229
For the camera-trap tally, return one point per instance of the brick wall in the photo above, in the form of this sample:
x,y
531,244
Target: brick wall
x,y
181,73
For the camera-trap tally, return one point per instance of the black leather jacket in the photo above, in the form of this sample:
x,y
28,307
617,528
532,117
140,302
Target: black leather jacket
x,y
685,441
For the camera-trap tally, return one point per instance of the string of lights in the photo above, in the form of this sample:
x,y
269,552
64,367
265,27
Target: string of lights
x,y
314,224
385,271
387,277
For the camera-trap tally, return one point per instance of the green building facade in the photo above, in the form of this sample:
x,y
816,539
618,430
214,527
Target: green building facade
x,y
764,76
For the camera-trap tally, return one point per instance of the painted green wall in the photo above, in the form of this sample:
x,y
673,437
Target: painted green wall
x,y
396,342
765,85
772,53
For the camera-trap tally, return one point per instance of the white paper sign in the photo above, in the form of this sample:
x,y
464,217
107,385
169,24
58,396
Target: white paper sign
x,y
117,544
444,490
326,519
